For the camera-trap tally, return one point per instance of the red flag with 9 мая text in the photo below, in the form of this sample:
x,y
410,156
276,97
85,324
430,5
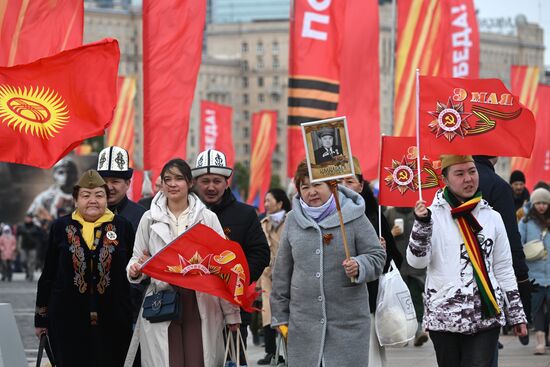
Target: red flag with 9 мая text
x,y
49,106
201,260
473,116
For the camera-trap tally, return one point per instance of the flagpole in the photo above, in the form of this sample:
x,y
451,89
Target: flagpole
x,y
418,132
334,188
379,178
392,63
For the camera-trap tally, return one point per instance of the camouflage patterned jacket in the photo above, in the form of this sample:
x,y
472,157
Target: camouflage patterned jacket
x,y
452,301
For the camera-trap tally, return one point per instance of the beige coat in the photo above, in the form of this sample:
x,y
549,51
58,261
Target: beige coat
x,y
153,234
273,235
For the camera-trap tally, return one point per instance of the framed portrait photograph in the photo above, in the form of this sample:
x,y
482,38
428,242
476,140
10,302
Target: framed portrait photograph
x,y
327,147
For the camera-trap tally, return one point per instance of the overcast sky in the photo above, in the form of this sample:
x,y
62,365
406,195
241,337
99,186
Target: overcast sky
x,y
536,11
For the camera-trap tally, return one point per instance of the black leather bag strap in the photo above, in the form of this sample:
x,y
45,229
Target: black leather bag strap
x,y
45,344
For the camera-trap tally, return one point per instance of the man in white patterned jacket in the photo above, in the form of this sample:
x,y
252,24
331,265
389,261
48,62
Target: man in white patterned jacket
x,y
471,290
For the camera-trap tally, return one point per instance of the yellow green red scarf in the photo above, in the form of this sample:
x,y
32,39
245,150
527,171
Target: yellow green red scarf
x,y
469,228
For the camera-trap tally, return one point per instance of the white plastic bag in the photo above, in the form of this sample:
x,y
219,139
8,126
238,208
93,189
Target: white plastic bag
x,y
395,318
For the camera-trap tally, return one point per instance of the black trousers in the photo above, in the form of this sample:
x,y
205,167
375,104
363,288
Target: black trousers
x,y
270,337
462,350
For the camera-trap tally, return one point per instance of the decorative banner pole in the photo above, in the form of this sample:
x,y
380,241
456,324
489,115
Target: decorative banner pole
x,y
334,188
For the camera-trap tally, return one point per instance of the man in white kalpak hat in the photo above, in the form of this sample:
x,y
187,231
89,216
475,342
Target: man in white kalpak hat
x,y
113,166
239,221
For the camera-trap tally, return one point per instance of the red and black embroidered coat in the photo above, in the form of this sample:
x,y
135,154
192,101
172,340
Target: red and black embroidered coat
x,y
84,296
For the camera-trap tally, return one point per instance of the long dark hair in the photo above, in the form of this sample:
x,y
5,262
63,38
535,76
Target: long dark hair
x,y
543,220
181,165
280,197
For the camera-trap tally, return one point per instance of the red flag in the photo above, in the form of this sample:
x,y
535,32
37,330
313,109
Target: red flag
x,y
264,140
439,37
121,132
473,116
216,130
314,69
49,106
359,83
33,29
333,70
524,83
136,185
537,168
399,173
201,260
172,46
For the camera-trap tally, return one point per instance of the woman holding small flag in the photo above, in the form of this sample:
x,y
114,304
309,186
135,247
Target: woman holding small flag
x,y
471,290
196,338
317,294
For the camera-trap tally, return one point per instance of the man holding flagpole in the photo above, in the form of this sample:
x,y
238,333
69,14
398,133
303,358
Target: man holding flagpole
x,y
471,290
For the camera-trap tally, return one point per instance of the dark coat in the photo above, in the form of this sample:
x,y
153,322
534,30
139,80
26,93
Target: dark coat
x,y
392,252
30,236
129,210
76,282
322,155
498,194
241,224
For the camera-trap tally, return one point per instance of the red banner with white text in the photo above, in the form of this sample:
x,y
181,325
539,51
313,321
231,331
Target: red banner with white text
x,y
30,30
333,71
524,83
172,51
399,173
473,116
216,130
201,260
440,38
264,140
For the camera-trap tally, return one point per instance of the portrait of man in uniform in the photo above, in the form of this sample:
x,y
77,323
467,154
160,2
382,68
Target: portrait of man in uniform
x,y
328,149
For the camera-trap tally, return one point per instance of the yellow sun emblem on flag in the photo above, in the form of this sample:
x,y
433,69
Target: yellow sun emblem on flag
x,y
38,111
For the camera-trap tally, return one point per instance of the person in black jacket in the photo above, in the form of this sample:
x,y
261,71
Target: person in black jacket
x,y
239,221
357,184
113,166
498,193
83,298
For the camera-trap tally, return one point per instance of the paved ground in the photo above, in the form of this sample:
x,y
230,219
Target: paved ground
x,y
21,294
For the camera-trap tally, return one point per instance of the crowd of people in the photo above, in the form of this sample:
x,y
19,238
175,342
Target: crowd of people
x,y
461,257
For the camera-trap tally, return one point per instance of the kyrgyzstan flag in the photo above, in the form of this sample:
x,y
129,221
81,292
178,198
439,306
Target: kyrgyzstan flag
x,y
201,260
473,116
399,173
49,106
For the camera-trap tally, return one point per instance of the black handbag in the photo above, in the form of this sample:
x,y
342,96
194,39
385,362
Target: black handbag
x,y
162,306
44,344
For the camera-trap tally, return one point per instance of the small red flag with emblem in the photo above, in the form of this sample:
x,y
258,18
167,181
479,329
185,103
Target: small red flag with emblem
x,y
48,107
399,173
473,116
201,260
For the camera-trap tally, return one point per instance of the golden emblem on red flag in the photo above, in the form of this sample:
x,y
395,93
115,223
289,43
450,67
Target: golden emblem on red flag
x,y
450,120
40,111
401,175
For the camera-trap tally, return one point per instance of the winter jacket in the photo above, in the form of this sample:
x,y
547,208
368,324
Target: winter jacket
x,y
453,302
273,235
499,195
131,211
241,224
539,270
327,314
77,282
153,234
8,247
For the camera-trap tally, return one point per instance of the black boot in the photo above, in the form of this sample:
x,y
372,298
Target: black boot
x,y
266,360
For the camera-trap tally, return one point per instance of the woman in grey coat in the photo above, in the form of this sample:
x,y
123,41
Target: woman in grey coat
x,y
320,296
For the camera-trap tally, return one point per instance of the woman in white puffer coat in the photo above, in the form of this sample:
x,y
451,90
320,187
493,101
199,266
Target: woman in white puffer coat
x,y
179,342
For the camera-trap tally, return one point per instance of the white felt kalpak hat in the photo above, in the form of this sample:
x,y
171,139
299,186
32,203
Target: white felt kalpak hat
x,y
114,162
211,161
